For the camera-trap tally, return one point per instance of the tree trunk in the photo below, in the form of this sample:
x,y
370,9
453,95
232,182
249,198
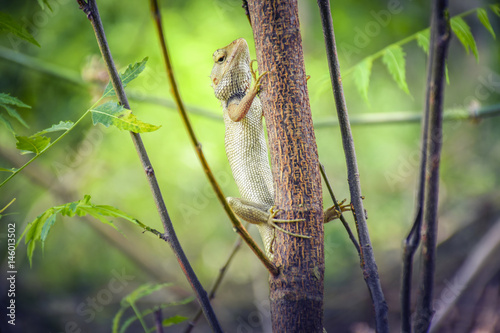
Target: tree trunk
x,y
296,294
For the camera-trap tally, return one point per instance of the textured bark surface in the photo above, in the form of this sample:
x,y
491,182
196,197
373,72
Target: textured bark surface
x,y
296,294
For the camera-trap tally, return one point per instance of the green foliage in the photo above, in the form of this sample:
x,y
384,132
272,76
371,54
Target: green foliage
x,y
132,71
37,143
393,55
111,113
38,230
483,18
8,24
44,3
394,59
7,102
463,33
362,77
130,301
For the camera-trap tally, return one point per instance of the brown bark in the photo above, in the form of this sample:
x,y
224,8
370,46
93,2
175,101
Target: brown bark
x,y
296,294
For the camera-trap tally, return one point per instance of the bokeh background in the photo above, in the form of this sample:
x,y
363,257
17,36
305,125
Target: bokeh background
x,y
77,282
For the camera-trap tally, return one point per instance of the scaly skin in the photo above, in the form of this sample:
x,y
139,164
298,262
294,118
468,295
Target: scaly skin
x,y
245,141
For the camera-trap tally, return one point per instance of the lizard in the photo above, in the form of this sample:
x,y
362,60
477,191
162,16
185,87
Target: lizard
x,y
245,141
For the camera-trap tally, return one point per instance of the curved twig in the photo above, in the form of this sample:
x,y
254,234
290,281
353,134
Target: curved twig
x,y
197,146
90,8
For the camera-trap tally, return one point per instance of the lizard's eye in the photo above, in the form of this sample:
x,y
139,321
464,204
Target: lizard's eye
x,y
221,59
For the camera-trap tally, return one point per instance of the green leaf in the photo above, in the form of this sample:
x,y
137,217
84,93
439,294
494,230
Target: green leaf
x,y
116,319
44,3
394,59
8,24
132,71
32,144
6,101
362,73
39,229
423,40
496,8
173,320
62,126
142,291
7,124
111,113
8,170
483,17
462,31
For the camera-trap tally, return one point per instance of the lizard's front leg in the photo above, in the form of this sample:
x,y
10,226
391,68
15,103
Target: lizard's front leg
x,y
238,108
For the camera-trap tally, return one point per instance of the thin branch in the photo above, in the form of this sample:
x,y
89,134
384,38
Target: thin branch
x,y
217,282
440,36
155,11
158,321
368,264
337,207
90,8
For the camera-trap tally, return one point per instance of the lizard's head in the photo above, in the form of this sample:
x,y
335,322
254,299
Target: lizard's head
x,y
231,72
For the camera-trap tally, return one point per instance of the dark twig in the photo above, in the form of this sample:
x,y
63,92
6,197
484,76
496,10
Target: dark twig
x,y
90,8
337,207
368,264
197,146
440,36
217,282
158,321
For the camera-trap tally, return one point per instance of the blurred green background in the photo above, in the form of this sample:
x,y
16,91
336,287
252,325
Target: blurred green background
x,y
63,77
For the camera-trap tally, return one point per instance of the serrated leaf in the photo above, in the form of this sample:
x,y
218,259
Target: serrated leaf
x,y
483,17
142,291
111,113
13,113
8,24
462,31
7,124
174,320
11,100
423,40
362,73
31,144
39,229
394,59
44,3
496,9
132,71
62,126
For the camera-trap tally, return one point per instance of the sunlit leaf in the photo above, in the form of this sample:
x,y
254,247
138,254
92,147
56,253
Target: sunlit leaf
x,y
32,144
62,126
462,31
132,71
142,291
423,40
174,320
483,17
362,73
8,24
39,229
111,113
394,59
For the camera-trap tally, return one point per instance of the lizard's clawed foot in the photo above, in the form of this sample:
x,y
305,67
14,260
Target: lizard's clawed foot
x,y
256,78
332,213
272,221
